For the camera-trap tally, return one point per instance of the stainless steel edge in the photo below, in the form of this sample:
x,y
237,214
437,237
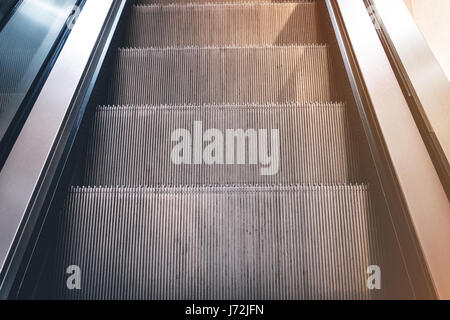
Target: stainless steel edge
x,y
21,174
424,77
423,194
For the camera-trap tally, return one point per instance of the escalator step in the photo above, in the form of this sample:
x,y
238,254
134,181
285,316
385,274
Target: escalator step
x,y
237,24
298,242
223,75
14,65
7,100
133,146
168,2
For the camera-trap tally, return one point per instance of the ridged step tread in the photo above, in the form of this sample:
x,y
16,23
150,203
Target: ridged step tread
x,y
299,242
231,75
172,2
9,99
13,67
236,24
132,146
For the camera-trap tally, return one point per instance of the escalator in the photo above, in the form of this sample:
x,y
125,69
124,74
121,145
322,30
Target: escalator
x,y
222,156
265,198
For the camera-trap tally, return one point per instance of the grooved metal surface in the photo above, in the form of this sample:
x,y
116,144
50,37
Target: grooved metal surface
x,y
236,75
132,146
6,99
298,242
13,68
218,230
237,24
187,2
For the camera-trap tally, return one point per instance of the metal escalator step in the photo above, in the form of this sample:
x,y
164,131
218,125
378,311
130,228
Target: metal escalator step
x,y
187,2
9,103
223,75
14,65
133,146
299,242
5,100
237,24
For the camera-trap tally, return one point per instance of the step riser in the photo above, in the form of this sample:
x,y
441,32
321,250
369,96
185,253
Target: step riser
x,y
223,76
299,243
133,146
224,25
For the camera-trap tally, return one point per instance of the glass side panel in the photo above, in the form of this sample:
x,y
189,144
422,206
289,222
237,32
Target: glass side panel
x,y
26,41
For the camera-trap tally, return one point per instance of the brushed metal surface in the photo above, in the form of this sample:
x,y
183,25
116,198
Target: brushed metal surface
x,y
223,75
206,2
425,77
316,145
227,241
20,176
248,23
426,200
235,242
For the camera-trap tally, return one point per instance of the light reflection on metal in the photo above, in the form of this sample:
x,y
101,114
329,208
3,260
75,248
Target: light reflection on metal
x,y
424,196
26,41
424,77
20,177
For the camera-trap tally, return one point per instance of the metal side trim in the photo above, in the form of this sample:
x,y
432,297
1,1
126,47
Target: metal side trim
x,y
418,204
424,79
22,175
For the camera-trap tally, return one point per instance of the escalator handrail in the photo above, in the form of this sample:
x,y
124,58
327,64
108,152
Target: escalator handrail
x,y
28,172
